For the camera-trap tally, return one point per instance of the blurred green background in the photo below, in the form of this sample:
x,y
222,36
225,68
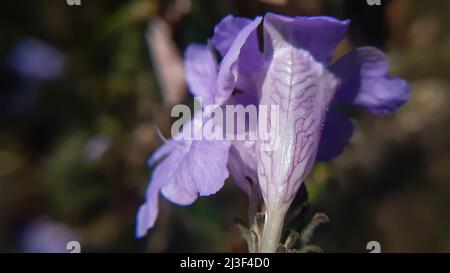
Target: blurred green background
x,y
82,88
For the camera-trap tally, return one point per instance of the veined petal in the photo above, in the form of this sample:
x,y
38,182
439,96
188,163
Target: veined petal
x,y
318,35
302,88
337,131
365,82
241,64
201,72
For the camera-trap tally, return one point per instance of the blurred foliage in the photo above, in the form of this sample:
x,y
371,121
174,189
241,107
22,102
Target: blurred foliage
x,y
73,149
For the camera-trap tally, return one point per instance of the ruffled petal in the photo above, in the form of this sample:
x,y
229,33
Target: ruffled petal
x,y
186,169
365,82
200,171
241,64
148,212
226,32
201,72
318,35
337,131
191,170
250,60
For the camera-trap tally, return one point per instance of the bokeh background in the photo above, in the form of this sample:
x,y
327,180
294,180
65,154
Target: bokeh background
x,y
82,89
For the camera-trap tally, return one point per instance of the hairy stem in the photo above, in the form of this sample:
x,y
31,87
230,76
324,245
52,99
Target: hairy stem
x,y
273,228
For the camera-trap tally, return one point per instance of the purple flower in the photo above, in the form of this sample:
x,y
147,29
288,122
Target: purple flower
x,y
191,168
294,72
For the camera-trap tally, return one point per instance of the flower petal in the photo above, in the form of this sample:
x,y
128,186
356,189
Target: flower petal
x,y
302,88
337,131
187,169
200,171
241,64
148,212
250,60
201,72
226,32
318,35
365,82
242,164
